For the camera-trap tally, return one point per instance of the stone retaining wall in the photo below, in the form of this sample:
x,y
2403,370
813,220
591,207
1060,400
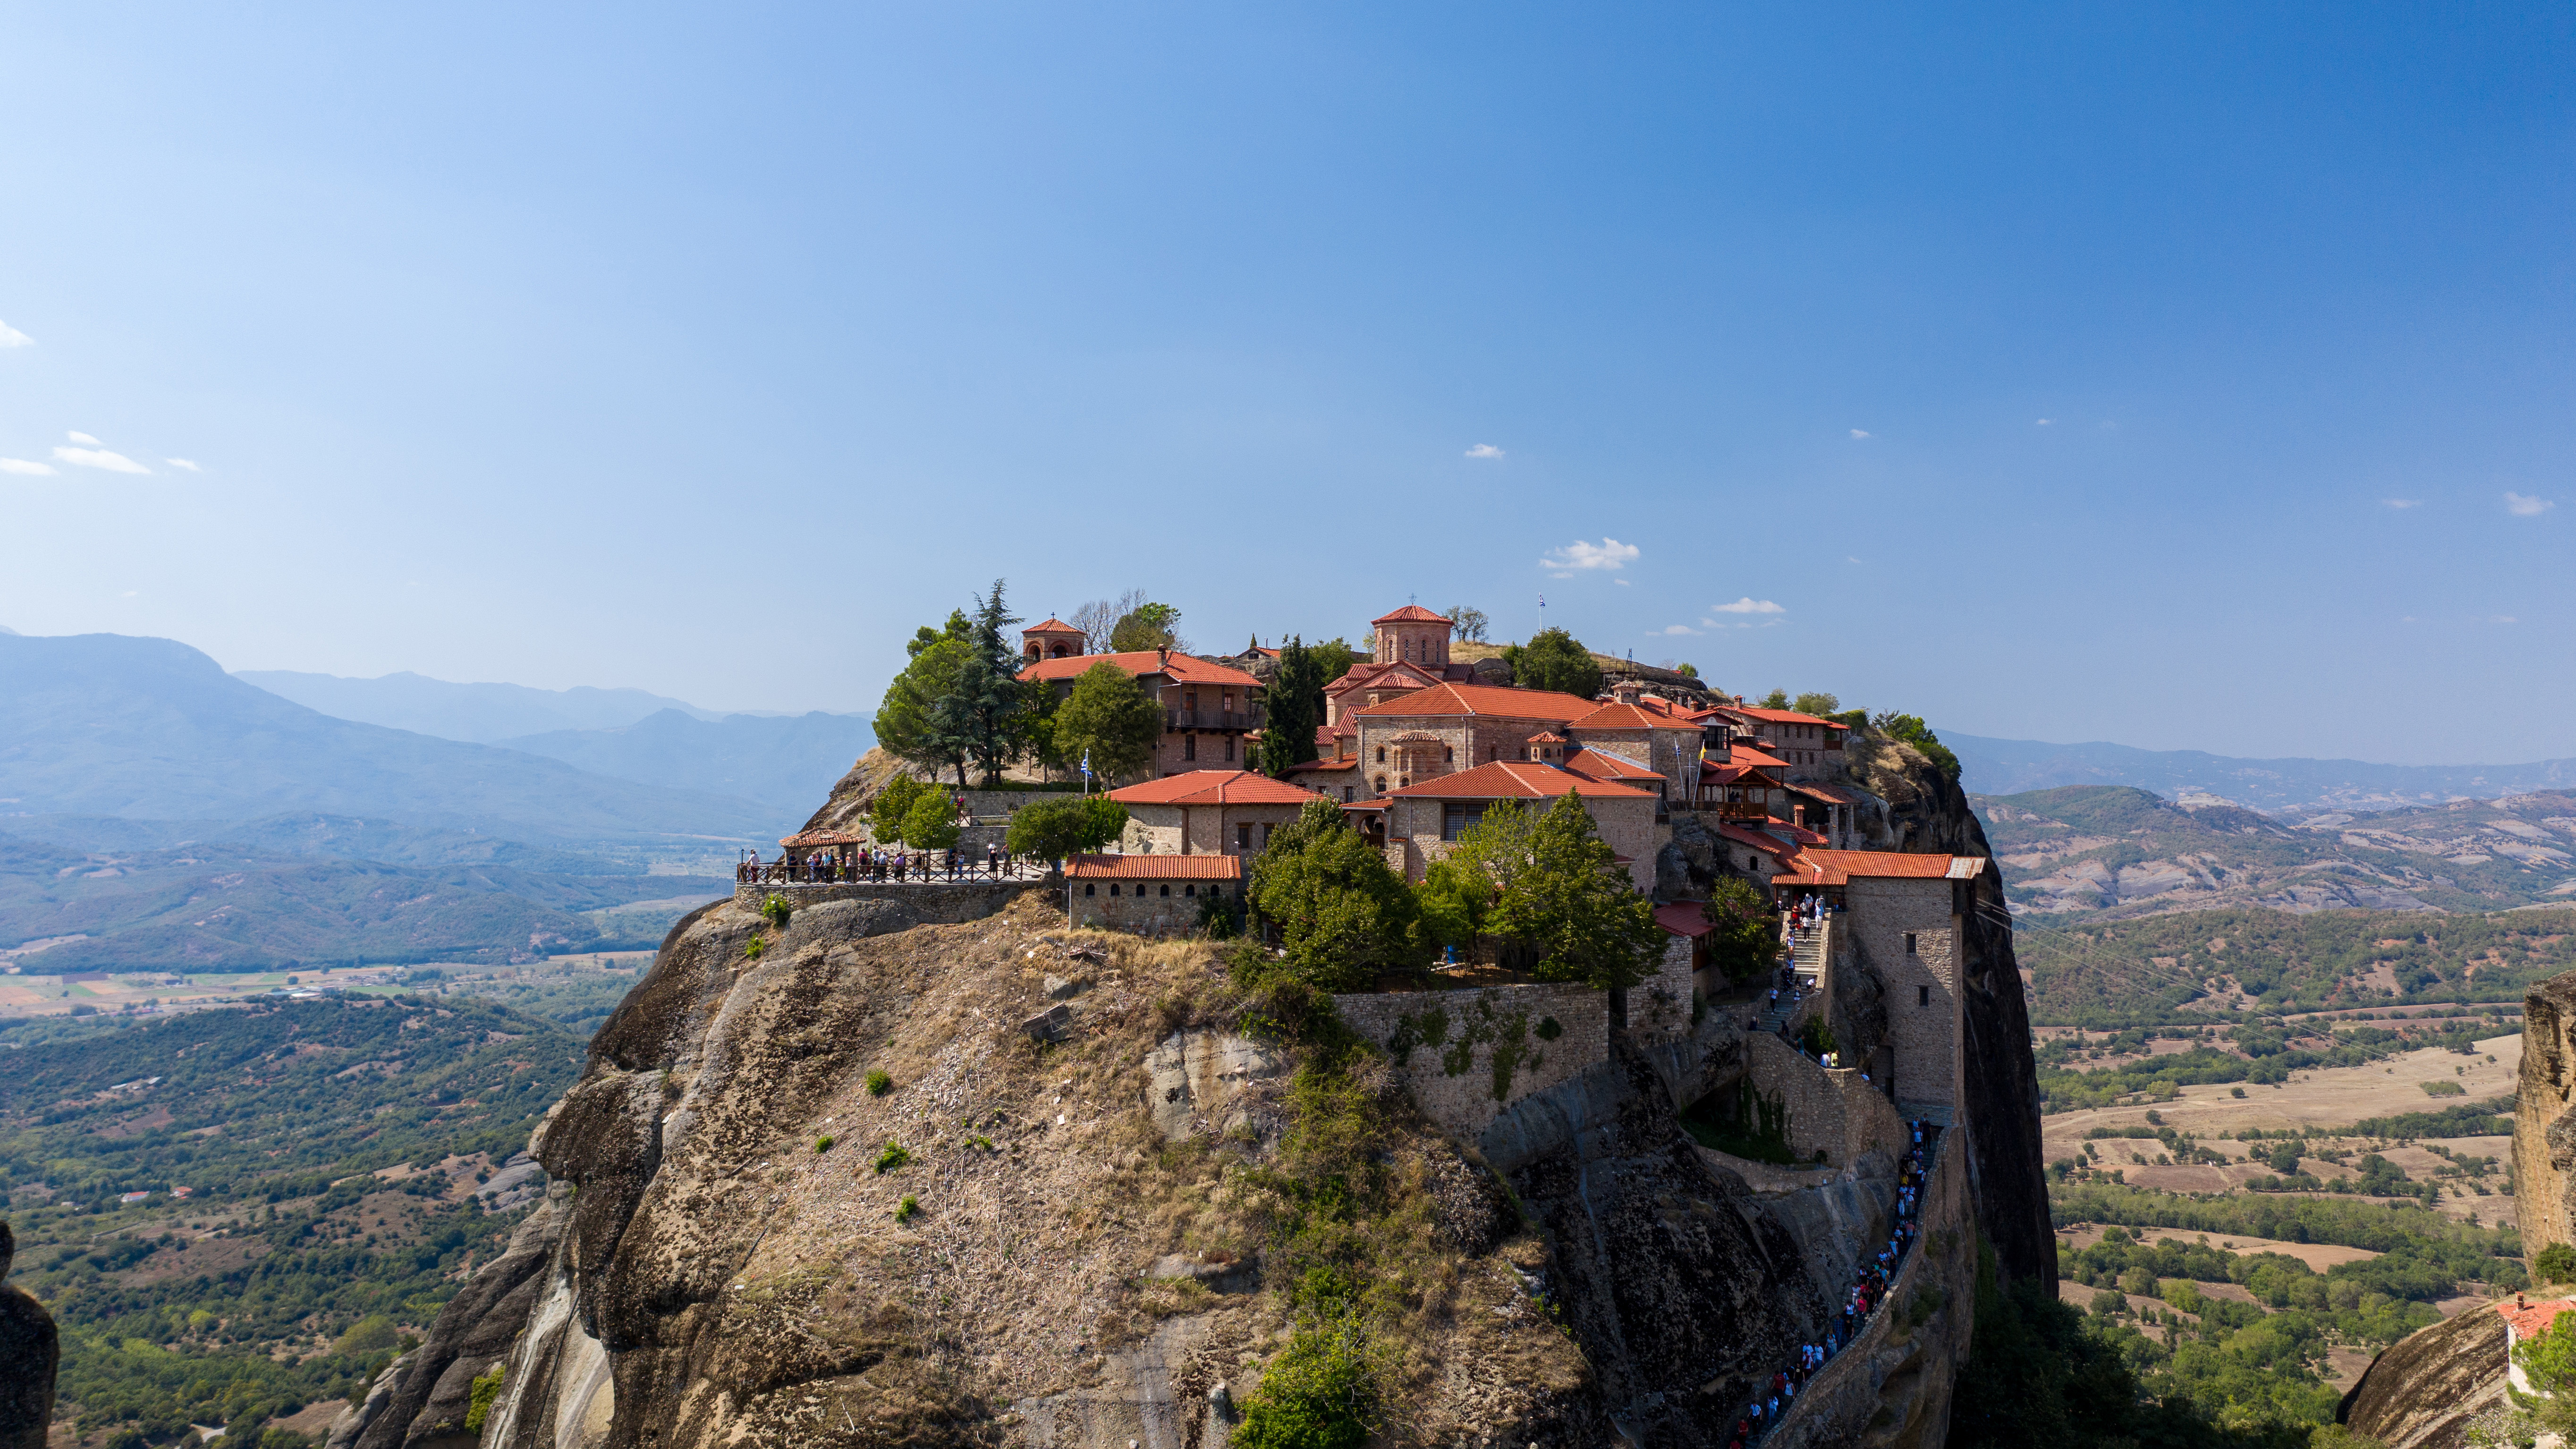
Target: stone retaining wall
x,y
942,903
1893,1384
1468,1055
1659,1007
1831,1111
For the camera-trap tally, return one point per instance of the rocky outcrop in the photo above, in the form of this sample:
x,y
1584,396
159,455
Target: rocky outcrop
x,y
2544,1114
29,1353
422,1400
2421,1392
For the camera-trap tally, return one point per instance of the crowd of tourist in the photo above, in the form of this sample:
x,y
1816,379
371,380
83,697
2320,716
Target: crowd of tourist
x,y
1866,1295
852,864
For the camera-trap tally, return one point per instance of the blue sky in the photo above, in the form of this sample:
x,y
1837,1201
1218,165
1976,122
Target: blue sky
x,y
2185,377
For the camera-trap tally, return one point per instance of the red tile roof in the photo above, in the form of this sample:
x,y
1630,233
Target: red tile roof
x,y
808,838
1213,787
1155,867
1616,716
1545,737
1363,805
2530,1320
1782,716
1840,867
1183,668
1485,699
1601,765
1051,626
1515,780
1827,792
1684,918
1411,614
1770,845
1373,675
1326,762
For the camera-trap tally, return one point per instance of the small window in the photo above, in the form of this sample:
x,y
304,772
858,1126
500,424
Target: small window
x,y
1113,890
1167,890
1090,889
1381,784
1189,890
1493,752
1381,754
1189,747
1346,794
1229,747
1923,996
1909,943
1445,755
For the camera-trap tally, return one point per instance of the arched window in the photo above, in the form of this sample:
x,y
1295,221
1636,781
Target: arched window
x,y
1167,890
1445,755
1381,754
1090,889
1381,784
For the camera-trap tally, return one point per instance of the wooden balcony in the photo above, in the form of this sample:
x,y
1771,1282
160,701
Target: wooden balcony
x,y
1211,719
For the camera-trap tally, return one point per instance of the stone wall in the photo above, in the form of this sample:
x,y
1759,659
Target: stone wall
x,y
2544,1127
1894,1384
1146,907
1829,1111
1201,829
1922,985
1468,1055
1659,1007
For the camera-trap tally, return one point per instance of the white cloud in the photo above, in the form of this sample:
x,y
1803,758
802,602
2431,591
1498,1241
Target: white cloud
x,y
1750,605
2506,619
187,463
1623,583
1857,433
99,458
2043,422
2403,503
1679,629
21,465
1484,450
84,438
12,337
1609,553
2522,505
130,593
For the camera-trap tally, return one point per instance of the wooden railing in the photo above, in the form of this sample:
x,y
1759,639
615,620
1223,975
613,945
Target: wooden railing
x,y
1211,719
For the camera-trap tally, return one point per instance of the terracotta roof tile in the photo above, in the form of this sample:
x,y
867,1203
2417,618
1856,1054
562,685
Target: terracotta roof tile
x,y
1782,716
1683,918
1411,614
1616,716
1515,780
1601,765
1485,699
1155,867
1840,867
808,838
2530,1320
1185,668
1051,626
1770,845
1213,787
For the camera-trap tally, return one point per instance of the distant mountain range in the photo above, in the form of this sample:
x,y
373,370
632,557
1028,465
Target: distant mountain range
x,y
786,763
477,713
2287,786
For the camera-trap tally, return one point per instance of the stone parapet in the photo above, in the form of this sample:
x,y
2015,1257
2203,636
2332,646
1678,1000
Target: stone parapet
x,y
1893,1383
945,903
1468,1055
1829,1110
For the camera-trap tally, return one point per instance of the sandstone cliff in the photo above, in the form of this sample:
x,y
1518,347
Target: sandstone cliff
x,y
2544,1114
2421,1393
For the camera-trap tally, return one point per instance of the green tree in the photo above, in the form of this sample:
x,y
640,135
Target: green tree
x,y
1776,699
894,802
1334,658
1453,899
1554,659
1147,626
1112,719
2548,1359
931,823
1687,668
2554,1264
1912,730
907,722
1744,935
1468,624
1577,907
1818,703
1293,708
1055,829
1342,915
983,715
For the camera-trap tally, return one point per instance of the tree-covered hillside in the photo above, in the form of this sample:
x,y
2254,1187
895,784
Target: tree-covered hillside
x,y
330,1152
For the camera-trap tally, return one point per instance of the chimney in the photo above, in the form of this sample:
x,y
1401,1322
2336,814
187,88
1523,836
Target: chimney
x,y
1626,691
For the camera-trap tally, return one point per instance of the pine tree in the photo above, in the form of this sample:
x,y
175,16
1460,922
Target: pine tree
x,y
982,718
1293,709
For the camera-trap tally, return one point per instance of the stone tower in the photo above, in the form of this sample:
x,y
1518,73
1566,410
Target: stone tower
x,y
1411,635
1053,639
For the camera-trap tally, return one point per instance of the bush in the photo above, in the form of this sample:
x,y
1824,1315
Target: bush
x,y
1054,829
894,803
824,1142
893,1157
2555,1264
879,1084
1319,1393
907,1209
774,910
754,948
931,823
486,1388
2443,1089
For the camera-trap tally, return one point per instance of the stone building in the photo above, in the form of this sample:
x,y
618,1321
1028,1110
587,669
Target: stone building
x,y
1423,821
1149,894
1903,919
1812,748
1207,812
1207,708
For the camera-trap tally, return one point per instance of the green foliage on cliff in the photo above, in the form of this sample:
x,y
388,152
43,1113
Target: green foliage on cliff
x,y
1554,659
1055,829
1342,916
1913,731
1110,719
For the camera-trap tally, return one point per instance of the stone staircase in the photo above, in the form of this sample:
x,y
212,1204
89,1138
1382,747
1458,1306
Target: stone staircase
x,y
1807,961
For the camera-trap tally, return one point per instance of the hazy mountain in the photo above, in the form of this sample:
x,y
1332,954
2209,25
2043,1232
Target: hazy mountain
x,y
2295,786
306,833
205,907
478,713
786,762
2114,851
150,729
